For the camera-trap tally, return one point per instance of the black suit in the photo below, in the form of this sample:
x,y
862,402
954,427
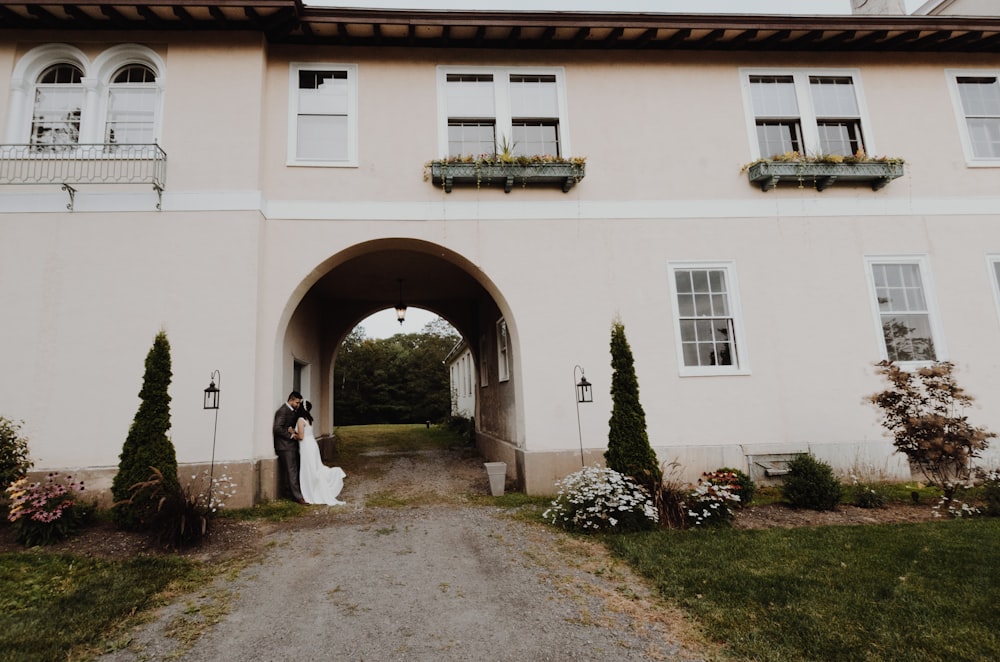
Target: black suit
x,y
287,449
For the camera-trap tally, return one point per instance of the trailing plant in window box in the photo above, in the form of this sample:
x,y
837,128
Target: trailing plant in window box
x,y
506,169
823,170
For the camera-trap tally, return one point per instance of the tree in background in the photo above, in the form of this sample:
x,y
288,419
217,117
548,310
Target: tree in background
x,y
628,451
14,459
147,446
394,380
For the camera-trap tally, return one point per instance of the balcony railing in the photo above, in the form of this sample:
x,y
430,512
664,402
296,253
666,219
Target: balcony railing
x,y
72,165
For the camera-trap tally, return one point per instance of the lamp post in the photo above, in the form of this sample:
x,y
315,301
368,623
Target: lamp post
x,y
583,394
400,307
212,402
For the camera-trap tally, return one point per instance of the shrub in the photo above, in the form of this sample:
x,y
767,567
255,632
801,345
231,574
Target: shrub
x,y
923,411
628,451
177,518
669,497
42,513
744,487
710,500
810,484
596,499
147,446
991,493
14,462
462,425
868,495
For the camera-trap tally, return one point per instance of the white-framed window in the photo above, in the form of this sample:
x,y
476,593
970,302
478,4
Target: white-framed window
x,y
976,95
133,99
708,321
60,98
811,112
909,326
484,379
503,351
490,110
993,265
323,115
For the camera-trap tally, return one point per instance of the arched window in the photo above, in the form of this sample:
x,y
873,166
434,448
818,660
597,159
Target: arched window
x,y
132,102
59,94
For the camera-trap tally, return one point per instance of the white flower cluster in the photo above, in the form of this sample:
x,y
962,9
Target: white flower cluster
x,y
222,487
599,499
708,500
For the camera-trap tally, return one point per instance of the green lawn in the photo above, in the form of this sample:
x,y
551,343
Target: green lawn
x,y
54,607
887,592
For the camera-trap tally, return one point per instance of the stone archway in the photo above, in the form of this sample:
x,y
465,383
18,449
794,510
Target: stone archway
x,y
352,283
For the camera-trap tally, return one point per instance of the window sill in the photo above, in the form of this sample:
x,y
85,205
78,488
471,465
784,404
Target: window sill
x,y
733,372
447,174
768,174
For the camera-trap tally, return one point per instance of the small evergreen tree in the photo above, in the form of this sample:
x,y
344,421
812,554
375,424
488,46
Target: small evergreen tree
x,y
628,451
147,446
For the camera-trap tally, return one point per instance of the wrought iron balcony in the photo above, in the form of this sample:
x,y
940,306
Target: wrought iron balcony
x,y
72,165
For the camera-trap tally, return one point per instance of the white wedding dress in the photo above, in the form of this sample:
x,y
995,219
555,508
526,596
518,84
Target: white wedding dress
x,y
320,484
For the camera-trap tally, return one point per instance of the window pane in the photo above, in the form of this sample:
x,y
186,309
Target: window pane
x,y
531,138
773,96
833,96
56,119
700,280
322,138
687,331
323,92
471,138
685,305
985,136
131,115
908,337
134,73
980,96
778,137
842,138
683,281
533,96
470,96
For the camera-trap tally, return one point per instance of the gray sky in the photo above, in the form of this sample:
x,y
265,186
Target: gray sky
x,y
681,6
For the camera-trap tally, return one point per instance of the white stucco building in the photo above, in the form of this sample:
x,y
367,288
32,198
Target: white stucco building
x,y
251,178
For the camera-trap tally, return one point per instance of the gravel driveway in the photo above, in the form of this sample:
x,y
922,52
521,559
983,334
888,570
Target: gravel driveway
x,y
443,581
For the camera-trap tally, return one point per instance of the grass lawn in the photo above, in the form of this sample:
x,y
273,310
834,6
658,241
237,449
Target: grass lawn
x,y
53,607
882,592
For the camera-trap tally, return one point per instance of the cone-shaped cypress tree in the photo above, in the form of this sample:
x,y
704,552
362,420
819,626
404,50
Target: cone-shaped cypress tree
x,y
628,451
147,444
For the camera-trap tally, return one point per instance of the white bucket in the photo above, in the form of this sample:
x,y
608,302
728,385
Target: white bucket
x,y
497,471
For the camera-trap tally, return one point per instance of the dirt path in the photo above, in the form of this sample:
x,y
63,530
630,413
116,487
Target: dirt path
x,y
442,581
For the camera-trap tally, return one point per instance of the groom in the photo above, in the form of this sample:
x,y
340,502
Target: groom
x,y
286,446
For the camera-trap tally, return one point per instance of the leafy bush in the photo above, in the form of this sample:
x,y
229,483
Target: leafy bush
x,y
923,411
991,493
596,499
744,487
463,426
147,446
42,513
868,495
710,500
810,484
14,462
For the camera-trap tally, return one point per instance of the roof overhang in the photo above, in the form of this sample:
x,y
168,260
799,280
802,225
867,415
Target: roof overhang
x,y
289,21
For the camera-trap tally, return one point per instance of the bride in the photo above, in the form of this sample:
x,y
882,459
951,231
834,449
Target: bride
x,y
319,483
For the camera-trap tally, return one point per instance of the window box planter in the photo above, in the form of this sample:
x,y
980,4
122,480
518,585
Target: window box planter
x,y
821,175
446,174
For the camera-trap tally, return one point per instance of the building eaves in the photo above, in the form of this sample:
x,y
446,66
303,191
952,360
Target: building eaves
x,y
289,21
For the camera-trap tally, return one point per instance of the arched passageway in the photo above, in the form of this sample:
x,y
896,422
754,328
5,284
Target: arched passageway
x,y
371,276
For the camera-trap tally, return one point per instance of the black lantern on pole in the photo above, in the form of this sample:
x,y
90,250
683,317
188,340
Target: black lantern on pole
x,y
584,393
212,392
400,307
212,402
